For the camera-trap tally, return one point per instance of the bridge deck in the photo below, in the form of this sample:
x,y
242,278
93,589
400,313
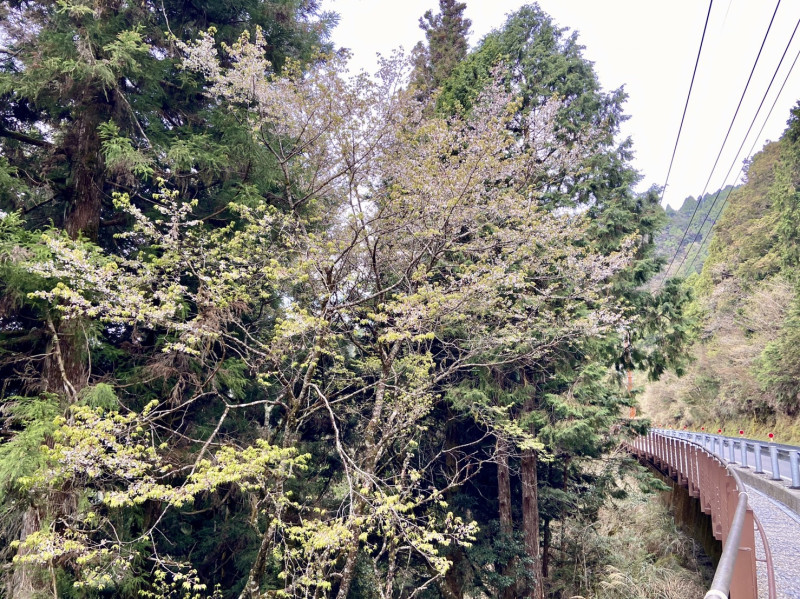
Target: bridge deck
x,y
777,506
689,458
714,471
782,527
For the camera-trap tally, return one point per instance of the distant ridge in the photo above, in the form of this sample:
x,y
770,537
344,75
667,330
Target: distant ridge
x,y
697,239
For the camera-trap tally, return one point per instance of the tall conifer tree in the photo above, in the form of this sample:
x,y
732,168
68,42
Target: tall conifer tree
x,y
546,61
93,102
446,35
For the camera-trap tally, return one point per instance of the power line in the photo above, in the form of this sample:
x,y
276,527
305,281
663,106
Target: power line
x,y
686,106
753,122
727,10
752,147
724,141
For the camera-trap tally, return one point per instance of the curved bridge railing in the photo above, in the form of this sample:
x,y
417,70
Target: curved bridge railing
x,y
781,462
722,495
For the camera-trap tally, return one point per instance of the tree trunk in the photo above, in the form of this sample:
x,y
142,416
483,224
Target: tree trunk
x,y
252,587
64,373
371,457
25,582
502,450
530,520
503,486
82,146
68,361
349,571
65,369
546,548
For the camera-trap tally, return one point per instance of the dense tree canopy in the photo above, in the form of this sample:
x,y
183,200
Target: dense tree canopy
x,y
540,61
271,330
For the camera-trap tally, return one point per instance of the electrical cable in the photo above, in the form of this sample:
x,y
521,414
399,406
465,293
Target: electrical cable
x,y
686,105
722,147
752,147
753,122
727,10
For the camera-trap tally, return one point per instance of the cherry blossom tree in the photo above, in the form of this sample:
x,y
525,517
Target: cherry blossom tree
x,y
398,252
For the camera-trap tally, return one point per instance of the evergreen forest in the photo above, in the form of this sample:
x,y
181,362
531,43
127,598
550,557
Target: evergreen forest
x,y
685,239
272,329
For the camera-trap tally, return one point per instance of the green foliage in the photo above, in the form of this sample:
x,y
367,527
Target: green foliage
x,y
233,378
169,584
270,356
745,241
22,455
694,248
105,80
100,396
9,183
106,455
120,154
498,563
646,555
199,152
569,402
446,34
545,61
94,103
778,366
746,304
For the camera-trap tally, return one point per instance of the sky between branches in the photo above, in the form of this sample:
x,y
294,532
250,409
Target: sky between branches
x,y
649,47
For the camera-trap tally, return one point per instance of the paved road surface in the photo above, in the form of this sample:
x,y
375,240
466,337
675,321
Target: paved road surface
x,y
782,528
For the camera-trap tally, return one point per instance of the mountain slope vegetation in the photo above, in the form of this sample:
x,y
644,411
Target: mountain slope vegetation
x,y
685,239
746,358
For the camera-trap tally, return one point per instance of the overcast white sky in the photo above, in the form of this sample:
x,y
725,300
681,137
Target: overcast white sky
x,y
649,47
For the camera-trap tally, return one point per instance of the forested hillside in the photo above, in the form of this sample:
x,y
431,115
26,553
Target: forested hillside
x,y
684,240
746,358
270,330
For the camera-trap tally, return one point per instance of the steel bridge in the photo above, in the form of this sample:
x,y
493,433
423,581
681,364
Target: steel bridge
x,y
751,491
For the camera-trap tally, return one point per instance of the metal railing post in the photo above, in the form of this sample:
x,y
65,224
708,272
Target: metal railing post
x,y
672,463
732,534
757,453
743,449
731,453
744,580
776,467
794,464
685,461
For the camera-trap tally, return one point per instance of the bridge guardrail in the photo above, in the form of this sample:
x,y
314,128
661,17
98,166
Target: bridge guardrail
x,y
718,444
721,494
